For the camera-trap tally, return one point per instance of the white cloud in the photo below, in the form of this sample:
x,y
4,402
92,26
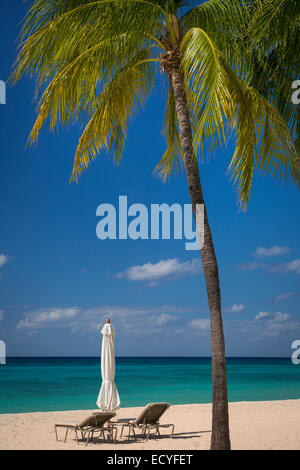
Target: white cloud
x,y
127,312
273,320
128,319
179,331
43,318
274,325
163,319
272,251
285,296
235,308
276,317
280,322
279,317
200,323
261,315
1,315
250,266
262,252
3,260
292,266
270,324
154,284
164,269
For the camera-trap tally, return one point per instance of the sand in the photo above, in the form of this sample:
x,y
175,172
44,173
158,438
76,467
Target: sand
x,y
253,425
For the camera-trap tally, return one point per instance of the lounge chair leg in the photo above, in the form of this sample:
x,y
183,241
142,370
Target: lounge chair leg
x,y
172,431
66,435
113,437
88,438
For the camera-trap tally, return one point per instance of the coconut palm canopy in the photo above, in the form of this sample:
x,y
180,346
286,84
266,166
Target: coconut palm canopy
x,y
98,60
271,38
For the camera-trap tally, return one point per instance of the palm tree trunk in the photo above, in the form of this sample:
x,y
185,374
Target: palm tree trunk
x,y
220,439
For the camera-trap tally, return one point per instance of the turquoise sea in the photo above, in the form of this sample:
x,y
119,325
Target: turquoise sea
x,y
53,384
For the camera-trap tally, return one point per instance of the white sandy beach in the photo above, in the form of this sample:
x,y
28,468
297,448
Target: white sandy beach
x,y
254,425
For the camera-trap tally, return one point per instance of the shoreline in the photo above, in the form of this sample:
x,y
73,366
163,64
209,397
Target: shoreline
x,y
140,407
270,424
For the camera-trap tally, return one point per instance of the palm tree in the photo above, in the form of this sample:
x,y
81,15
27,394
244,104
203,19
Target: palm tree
x,y
272,35
98,59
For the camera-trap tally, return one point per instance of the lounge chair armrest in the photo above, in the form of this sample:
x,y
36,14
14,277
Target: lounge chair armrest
x,y
73,426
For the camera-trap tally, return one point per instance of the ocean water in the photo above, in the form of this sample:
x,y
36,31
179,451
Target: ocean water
x,y
54,384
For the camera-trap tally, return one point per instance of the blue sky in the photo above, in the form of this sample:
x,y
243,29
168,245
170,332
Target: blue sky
x,y
58,281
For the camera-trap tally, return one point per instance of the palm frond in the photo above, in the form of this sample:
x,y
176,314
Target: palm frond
x,y
273,60
276,22
124,94
94,58
75,88
225,21
207,82
263,140
172,158
78,29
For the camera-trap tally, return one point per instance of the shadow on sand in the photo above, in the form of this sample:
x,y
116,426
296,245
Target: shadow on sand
x,y
139,439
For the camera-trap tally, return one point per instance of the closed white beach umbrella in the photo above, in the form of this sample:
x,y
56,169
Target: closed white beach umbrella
x,y
108,398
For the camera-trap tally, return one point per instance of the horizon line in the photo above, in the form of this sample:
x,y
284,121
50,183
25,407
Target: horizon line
x,y
152,357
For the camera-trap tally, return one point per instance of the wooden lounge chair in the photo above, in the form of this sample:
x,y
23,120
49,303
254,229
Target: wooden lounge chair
x,y
90,425
148,420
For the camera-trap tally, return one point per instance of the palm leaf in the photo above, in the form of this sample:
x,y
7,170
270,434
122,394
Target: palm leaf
x,y
206,78
172,158
263,140
225,21
75,88
125,93
77,30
